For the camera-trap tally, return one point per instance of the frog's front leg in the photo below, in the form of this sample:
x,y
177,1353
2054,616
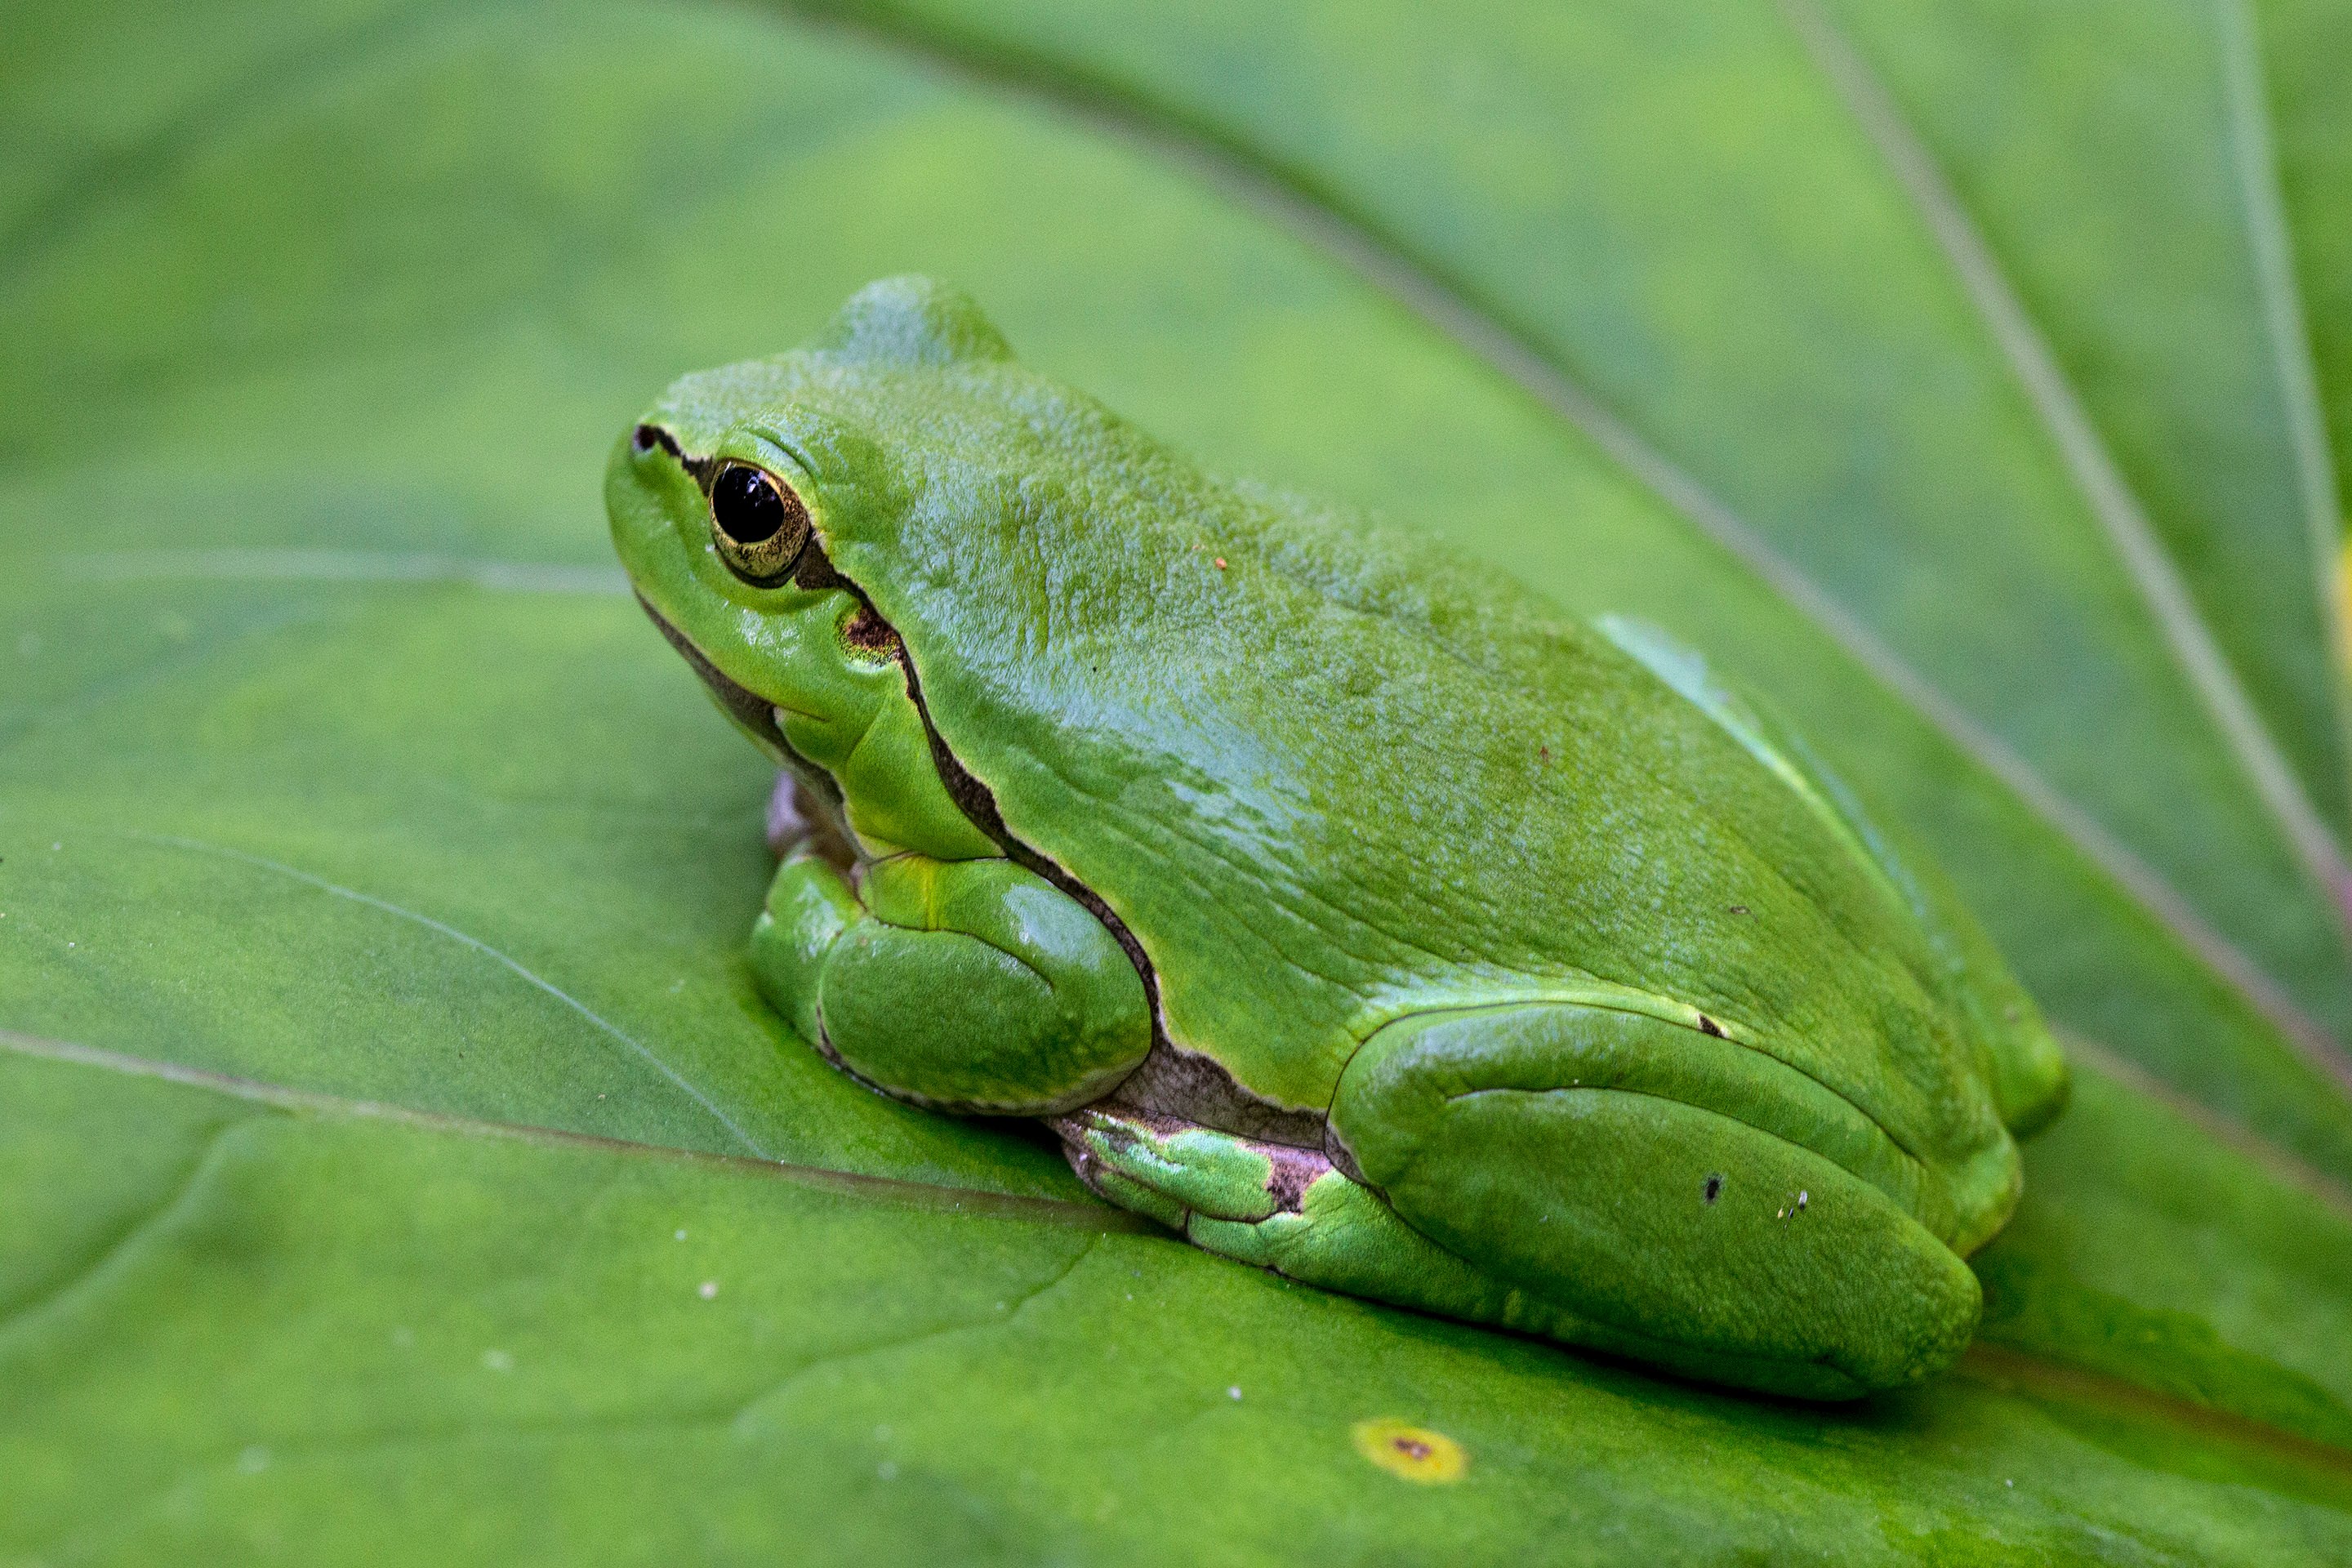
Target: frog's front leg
x,y
970,985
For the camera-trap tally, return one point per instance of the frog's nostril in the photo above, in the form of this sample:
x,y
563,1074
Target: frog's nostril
x,y
647,436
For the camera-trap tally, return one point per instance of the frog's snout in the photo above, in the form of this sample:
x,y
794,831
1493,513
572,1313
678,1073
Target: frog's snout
x,y
650,436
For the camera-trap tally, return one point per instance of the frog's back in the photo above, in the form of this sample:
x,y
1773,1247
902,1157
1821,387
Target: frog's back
x,y
1329,779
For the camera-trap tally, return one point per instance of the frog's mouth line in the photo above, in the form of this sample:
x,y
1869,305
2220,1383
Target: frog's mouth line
x,y
751,710
757,715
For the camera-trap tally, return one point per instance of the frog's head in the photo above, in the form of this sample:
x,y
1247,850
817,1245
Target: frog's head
x,y
732,498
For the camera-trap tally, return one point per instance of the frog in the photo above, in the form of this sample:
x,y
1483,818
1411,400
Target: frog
x,y
1331,899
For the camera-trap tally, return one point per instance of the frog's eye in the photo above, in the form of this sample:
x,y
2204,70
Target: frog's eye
x,y
757,522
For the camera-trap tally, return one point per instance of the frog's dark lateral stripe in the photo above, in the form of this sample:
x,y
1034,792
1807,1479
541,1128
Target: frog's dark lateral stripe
x,y
972,797
978,803
1175,1082
1169,1081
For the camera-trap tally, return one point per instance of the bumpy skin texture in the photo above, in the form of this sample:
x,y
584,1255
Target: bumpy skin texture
x,y
1345,908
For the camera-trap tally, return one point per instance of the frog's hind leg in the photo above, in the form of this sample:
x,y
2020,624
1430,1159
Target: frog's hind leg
x,y
1664,1192
1291,1211
2027,1070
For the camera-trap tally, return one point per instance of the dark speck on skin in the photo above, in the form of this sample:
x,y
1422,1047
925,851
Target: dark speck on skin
x,y
1740,909
1707,1025
1714,1186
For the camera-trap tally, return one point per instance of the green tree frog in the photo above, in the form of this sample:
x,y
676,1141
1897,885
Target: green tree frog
x,y
1338,905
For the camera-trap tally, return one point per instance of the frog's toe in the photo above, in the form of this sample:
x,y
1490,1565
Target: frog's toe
x,y
1679,1234
2030,1080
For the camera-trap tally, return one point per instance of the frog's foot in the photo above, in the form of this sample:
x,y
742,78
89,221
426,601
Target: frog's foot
x,y
1289,1210
965,985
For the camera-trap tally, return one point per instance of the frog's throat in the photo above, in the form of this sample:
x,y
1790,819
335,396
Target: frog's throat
x,y
757,715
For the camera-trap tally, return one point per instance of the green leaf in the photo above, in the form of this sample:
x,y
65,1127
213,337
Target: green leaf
x,y
555,1351
2311,113
373,880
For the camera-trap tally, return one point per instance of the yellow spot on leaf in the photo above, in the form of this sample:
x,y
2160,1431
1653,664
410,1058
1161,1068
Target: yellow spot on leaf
x,y
1416,1453
2343,594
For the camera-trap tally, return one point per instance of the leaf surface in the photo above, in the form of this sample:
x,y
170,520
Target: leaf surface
x,y
372,879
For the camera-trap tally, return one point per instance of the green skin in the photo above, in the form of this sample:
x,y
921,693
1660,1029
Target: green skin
x,y
1340,906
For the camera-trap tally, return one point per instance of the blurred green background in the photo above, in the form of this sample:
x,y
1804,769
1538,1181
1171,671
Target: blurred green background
x,y
394,1162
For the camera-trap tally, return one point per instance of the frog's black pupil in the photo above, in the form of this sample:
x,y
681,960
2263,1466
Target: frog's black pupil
x,y
747,506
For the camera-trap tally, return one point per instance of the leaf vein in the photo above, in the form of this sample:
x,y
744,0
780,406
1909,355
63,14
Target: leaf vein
x,y
748,1412
676,1079
848,1183
25,1313
2097,477
2283,316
